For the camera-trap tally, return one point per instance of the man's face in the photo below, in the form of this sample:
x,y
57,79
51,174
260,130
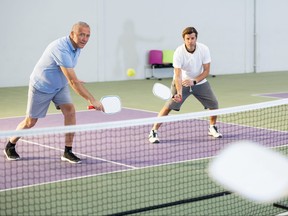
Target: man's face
x,y
190,41
80,36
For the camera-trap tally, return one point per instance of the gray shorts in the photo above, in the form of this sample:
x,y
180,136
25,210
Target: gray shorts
x,y
203,93
38,102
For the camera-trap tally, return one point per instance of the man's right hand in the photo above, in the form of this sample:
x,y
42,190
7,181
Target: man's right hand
x,y
98,106
177,98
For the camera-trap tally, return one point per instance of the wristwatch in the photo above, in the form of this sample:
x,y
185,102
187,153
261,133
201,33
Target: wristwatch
x,y
194,82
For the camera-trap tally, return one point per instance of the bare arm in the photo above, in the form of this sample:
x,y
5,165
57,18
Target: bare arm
x,y
178,84
79,88
203,75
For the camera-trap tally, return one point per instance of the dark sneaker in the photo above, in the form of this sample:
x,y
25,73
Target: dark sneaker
x,y
153,137
11,153
70,157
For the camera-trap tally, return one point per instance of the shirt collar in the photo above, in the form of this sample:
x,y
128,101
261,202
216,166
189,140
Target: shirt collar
x,y
71,45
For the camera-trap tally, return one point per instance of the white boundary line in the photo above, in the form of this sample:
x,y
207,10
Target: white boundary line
x,y
84,155
107,173
79,111
283,214
131,168
163,119
142,121
99,174
266,95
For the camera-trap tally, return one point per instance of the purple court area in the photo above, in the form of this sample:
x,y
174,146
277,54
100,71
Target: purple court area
x,y
120,149
83,117
275,95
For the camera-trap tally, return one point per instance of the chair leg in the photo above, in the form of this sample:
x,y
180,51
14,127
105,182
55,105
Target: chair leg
x,y
152,74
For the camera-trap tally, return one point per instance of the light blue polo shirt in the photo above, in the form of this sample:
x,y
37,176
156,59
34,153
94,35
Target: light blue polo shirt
x,y
47,76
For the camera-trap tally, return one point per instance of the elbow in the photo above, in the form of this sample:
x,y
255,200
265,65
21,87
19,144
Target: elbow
x,y
73,82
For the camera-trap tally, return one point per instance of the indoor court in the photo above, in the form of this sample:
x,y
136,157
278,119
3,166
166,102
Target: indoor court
x,y
114,160
120,155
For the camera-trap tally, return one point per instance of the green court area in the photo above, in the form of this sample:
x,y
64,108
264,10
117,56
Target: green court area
x,y
170,178
167,186
181,187
231,90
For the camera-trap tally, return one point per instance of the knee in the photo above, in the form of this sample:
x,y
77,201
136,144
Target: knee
x,y
69,112
69,115
30,122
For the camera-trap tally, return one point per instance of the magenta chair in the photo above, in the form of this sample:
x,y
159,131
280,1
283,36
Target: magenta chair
x,y
155,60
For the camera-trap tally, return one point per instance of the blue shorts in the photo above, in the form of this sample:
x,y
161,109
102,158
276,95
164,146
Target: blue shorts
x,y
39,102
202,92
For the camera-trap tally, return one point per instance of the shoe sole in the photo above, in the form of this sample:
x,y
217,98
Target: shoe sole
x,y
70,161
154,142
10,159
214,136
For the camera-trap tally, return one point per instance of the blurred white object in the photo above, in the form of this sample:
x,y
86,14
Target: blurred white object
x,y
252,171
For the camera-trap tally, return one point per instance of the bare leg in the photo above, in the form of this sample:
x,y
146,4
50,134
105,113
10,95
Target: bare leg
x,y
213,131
27,123
213,120
68,111
163,112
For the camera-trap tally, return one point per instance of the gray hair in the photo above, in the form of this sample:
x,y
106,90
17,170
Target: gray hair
x,y
78,24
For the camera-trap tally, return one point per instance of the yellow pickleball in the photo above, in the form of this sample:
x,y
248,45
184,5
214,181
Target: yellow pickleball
x,y
131,72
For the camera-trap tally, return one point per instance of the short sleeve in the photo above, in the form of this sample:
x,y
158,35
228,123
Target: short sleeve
x,y
62,58
206,55
177,58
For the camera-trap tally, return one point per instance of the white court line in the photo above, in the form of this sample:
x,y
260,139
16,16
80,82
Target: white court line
x,y
132,168
100,174
269,95
282,214
78,111
84,155
107,173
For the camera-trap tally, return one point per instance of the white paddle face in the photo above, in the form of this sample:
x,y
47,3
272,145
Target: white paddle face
x,y
161,91
252,171
111,104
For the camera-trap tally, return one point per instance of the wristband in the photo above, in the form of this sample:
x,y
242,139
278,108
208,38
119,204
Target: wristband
x,y
194,82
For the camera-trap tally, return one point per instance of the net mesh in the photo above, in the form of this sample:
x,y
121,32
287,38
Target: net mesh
x,y
122,173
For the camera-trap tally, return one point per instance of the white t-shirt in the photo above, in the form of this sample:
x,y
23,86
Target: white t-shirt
x,y
191,64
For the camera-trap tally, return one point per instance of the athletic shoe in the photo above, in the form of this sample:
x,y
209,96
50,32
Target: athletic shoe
x,y
213,131
153,137
11,153
70,157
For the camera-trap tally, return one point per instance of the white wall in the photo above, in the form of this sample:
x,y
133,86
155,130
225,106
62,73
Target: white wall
x,y
28,26
150,24
123,32
272,31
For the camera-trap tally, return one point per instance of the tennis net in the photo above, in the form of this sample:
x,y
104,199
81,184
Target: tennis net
x,y
122,173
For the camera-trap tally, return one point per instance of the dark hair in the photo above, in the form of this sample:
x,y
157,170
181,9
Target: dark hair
x,y
189,30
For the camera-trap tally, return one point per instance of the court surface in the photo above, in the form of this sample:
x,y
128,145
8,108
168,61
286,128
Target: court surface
x,y
148,169
41,157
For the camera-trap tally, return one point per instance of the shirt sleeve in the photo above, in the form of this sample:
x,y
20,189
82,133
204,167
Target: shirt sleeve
x,y
177,58
206,55
62,58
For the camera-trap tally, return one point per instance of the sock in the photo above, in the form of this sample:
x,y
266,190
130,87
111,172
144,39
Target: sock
x,y
68,149
10,145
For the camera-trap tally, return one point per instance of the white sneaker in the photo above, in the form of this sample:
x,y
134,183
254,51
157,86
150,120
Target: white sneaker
x,y
153,137
213,131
